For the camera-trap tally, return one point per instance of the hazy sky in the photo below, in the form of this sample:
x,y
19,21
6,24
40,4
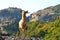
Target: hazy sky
x,y
31,5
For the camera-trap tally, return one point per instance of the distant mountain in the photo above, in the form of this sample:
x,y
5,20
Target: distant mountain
x,y
10,13
47,14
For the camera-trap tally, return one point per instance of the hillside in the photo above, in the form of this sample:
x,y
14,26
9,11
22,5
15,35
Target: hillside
x,y
46,15
45,24
46,31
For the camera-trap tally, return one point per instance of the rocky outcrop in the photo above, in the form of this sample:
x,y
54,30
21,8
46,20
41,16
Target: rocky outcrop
x,y
47,14
17,38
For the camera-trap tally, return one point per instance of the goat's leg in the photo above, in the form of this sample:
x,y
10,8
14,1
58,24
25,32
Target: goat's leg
x,y
22,33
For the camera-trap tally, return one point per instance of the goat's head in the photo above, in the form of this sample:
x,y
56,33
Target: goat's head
x,y
24,12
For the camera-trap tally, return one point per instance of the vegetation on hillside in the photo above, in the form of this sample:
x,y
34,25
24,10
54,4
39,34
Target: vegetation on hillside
x,y
48,31
12,28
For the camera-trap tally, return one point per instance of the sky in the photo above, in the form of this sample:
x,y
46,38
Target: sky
x,y
30,5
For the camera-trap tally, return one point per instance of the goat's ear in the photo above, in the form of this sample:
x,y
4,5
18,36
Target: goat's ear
x,y
26,11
